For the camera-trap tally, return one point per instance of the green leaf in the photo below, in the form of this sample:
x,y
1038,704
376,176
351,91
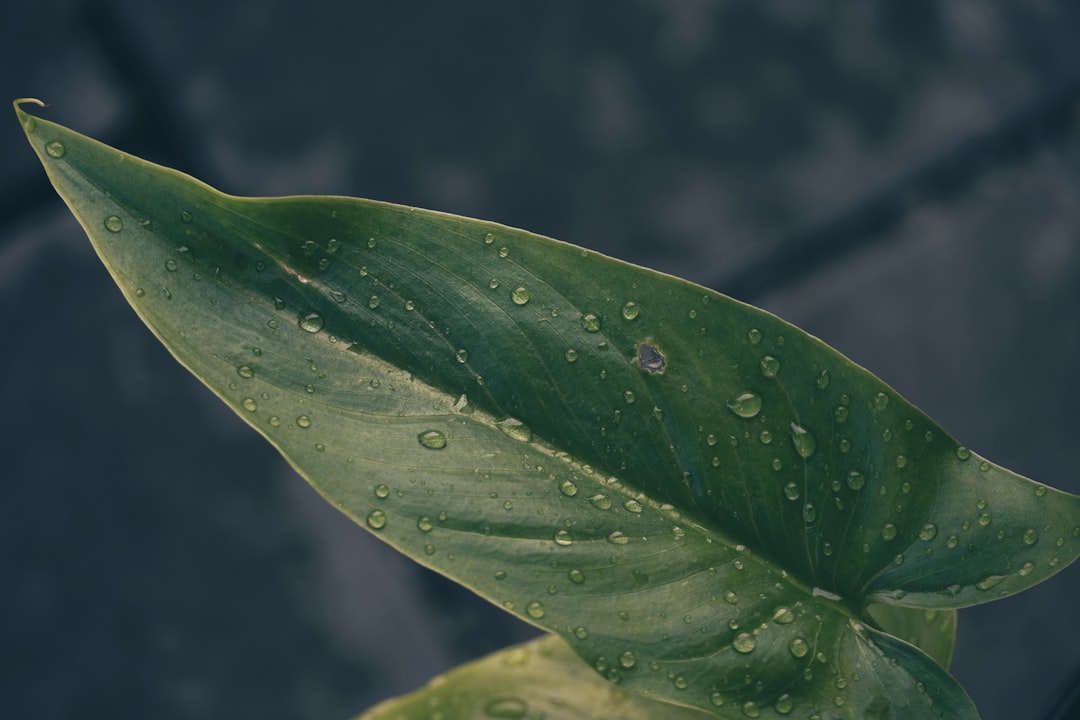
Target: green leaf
x,y
539,679
932,631
636,463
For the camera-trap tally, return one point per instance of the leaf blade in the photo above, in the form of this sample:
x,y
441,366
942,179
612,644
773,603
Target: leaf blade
x,y
410,346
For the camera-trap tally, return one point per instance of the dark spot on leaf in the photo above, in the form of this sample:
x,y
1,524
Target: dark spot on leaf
x,y
650,358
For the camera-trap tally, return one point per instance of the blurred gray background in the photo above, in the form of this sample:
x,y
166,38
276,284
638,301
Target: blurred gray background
x,y
900,179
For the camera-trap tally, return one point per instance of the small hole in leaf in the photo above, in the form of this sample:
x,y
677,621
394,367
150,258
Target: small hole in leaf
x,y
651,359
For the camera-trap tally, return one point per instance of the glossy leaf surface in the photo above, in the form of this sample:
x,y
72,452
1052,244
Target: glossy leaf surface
x,y
643,466
542,678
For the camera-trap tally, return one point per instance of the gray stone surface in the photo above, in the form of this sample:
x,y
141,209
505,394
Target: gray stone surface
x,y
901,179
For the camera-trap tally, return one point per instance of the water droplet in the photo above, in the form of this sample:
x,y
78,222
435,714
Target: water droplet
x,y
809,513
1040,490
744,643
716,699
680,682
371,243
765,437
754,336
571,355
823,380
535,609
600,502
618,537
113,223
783,615
303,421
568,488
591,322
952,541
791,490
888,531
633,506
803,440
750,709
651,359
784,704
562,537
856,480
424,524
928,532
962,452
519,295
1030,536
731,597
432,439
798,647
1026,569
55,149
504,251
988,582
311,322
382,491
770,366
628,659
881,401
376,519
185,217
274,421
516,429
745,405
901,463
984,519
631,310
245,371
507,708
249,404
628,396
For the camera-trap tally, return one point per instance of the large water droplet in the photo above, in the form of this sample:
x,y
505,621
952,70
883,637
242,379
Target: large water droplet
x,y
745,405
798,647
888,531
822,381
784,704
791,490
303,421
856,480
989,581
783,615
519,295
750,709
535,609
249,404
928,532
881,401
591,322
618,537
754,336
631,310
600,502
803,440
562,537
770,366
311,322
650,358
432,439
55,149
113,223
1030,536
376,519
516,429
382,491
576,576
245,371
628,659
506,708
425,524
744,643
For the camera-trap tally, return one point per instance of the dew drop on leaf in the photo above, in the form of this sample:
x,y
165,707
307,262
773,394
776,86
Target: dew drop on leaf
x,y
744,643
382,491
113,223
745,405
770,366
535,609
55,149
631,310
249,404
803,440
798,647
791,490
519,295
628,659
562,537
1030,536
571,355
888,531
303,421
311,322
591,322
856,480
376,519
576,576
506,708
754,336
784,704
651,359
618,537
245,371
928,532
424,524
432,439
